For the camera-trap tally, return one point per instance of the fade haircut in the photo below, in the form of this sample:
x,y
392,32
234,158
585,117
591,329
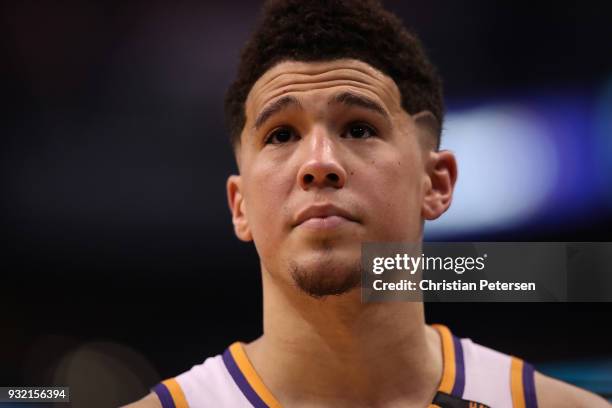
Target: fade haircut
x,y
323,30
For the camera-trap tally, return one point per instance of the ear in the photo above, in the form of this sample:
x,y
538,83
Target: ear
x,y
441,168
235,199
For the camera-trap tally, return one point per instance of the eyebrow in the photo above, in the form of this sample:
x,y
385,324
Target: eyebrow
x,y
275,107
353,99
344,98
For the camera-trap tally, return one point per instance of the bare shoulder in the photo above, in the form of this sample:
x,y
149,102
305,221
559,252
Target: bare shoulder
x,y
555,393
150,401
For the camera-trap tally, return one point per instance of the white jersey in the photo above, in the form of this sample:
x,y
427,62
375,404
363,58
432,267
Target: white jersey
x,y
473,377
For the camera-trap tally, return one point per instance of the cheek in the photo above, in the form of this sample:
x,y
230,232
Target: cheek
x,y
395,192
266,204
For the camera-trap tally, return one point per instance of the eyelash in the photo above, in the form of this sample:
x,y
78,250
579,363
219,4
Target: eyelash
x,y
369,128
373,132
277,131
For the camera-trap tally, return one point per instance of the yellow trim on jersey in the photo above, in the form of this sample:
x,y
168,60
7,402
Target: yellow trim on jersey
x,y
176,392
448,358
516,382
247,369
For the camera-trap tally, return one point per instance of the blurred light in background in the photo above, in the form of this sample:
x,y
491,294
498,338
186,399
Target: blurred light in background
x,y
507,167
603,134
105,374
534,161
99,374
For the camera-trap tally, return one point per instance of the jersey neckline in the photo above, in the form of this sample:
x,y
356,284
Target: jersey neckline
x,y
252,386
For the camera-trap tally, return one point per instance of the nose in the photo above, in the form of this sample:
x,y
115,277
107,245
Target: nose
x,y
321,168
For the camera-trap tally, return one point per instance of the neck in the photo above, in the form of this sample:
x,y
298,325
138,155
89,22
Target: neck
x,y
314,350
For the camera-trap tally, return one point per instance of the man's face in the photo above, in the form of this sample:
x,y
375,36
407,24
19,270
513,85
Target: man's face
x,y
328,159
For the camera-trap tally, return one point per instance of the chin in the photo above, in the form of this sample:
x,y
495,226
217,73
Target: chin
x,y
328,273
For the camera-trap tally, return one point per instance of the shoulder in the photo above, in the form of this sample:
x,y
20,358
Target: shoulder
x,y
554,393
150,401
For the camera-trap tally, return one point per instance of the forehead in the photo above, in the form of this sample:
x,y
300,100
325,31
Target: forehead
x,y
315,78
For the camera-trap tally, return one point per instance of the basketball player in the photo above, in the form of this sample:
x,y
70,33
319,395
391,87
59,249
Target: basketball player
x,y
335,119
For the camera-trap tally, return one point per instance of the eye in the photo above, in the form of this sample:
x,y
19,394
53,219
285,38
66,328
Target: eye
x,y
359,131
281,135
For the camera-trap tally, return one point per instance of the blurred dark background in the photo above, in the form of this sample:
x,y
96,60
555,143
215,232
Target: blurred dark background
x,y
119,266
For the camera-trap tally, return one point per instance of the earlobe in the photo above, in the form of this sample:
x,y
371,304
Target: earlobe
x,y
440,183
237,206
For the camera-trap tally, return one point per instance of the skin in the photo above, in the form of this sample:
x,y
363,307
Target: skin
x,y
388,180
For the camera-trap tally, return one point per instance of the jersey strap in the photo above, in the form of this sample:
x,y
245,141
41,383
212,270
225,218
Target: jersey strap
x,y
170,394
453,376
247,379
452,385
522,384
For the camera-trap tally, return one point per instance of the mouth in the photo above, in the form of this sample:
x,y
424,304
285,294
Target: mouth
x,y
322,223
323,217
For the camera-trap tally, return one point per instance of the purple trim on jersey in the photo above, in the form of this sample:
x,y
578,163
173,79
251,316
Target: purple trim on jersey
x,y
164,395
241,381
529,386
459,385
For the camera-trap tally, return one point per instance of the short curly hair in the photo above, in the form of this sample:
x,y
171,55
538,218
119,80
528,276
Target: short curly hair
x,y
322,30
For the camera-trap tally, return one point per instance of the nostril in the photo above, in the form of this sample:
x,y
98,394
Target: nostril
x,y
333,177
308,178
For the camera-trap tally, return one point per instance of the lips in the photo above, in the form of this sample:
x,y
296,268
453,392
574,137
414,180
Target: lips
x,y
323,216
